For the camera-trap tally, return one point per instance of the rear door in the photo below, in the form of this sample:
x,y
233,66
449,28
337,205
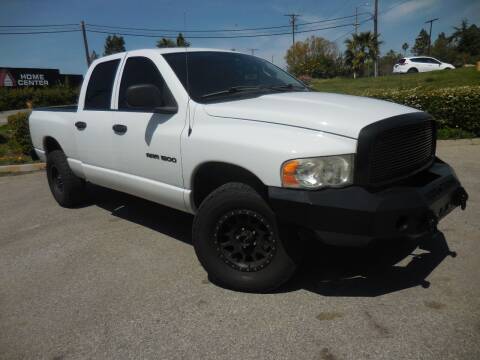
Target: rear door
x,y
425,64
93,127
147,147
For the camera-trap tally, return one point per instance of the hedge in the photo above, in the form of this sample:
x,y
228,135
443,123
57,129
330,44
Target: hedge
x,y
18,123
457,109
17,98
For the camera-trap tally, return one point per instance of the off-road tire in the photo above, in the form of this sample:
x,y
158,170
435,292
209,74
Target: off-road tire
x,y
243,202
67,188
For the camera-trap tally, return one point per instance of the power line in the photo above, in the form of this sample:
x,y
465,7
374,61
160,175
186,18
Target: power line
x,y
293,18
36,26
38,32
430,33
349,32
85,42
394,6
221,30
220,37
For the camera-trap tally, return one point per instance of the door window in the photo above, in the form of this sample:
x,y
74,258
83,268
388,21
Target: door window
x,y
141,71
100,85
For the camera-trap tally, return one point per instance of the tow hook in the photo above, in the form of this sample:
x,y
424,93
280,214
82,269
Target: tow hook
x,y
460,198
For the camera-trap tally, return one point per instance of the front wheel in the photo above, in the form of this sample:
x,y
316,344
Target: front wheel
x,y
238,242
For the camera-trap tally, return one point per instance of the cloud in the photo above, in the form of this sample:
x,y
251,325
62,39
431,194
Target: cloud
x,y
395,13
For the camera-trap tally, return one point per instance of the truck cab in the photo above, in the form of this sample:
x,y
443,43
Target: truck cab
x,y
251,152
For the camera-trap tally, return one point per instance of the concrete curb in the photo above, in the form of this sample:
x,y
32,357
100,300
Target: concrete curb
x,y
22,168
474,141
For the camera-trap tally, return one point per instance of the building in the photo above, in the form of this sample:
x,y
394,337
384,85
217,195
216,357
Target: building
x,y
35,77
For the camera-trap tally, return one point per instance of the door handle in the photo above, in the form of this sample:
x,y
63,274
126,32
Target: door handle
x,y
119,129
81,125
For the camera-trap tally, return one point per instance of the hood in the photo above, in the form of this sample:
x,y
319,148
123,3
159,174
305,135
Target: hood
x,y
334,113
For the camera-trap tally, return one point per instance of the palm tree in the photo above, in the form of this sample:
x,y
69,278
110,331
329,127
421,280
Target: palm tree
x,y
405,48
361,48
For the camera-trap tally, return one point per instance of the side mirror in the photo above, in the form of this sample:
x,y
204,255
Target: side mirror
x,y
148,97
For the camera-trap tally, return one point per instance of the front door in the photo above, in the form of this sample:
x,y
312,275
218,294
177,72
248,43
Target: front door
x,y
147,143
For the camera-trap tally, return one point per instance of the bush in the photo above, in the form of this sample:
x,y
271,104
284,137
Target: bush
x,y
455,108
11,99
18,124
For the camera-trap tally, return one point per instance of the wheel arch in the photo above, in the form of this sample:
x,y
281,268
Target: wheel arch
x,y
210,175
50,144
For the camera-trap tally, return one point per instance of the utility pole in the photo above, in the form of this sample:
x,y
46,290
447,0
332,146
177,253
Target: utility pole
x,y
375,34
252,51
272,59
356,20
293,19
85,43
430,33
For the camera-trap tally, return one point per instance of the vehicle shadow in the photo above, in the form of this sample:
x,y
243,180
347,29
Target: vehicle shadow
x,y
382,268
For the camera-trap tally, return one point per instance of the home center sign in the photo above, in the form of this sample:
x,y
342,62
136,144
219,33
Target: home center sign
x,y
22,77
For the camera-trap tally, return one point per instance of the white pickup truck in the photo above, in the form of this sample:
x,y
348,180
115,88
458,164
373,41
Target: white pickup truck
x,y
250,151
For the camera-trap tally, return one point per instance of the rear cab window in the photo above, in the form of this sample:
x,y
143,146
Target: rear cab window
x,y
100,86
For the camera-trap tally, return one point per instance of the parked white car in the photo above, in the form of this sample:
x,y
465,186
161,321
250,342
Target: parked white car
x,y
420,64
251,152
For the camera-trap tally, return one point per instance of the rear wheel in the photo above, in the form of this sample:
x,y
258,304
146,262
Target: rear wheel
x,y
412,70
238,241
67,188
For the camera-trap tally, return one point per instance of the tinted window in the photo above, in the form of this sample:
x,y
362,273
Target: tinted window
x,y
210,72
99,90
141,70
418,60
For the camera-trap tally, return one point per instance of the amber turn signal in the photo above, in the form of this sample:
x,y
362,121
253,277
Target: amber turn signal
x,y
289,170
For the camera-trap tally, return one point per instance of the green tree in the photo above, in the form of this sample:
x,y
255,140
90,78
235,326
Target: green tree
x,y
114,44
169,43
361,49
443,50
387,61
181,42
166,43
421,43
405,47
466,41
315,57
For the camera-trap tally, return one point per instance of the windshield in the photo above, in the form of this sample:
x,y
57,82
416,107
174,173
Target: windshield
x,y
215,75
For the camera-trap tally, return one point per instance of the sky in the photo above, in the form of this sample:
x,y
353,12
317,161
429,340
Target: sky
x,y
399,21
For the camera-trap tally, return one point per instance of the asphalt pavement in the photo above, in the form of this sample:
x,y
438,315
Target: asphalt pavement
x,y
118,278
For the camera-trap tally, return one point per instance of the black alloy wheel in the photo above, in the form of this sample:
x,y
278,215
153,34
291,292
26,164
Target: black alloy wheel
x,y
245,240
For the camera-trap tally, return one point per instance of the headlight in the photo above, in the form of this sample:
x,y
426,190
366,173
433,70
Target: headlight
x,y
314,173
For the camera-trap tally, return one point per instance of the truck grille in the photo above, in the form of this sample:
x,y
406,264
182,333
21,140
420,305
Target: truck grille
x,y
396,152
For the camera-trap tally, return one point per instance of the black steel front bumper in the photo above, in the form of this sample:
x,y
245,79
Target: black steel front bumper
x,y
354,216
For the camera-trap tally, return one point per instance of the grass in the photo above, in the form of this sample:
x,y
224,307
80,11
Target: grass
x,y
430,80
10,151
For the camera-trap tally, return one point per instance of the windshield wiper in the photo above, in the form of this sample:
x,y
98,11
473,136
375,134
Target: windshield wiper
x,y
285,87
232,90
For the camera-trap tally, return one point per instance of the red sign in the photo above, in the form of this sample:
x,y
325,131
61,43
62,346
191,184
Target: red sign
x,y
6,79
